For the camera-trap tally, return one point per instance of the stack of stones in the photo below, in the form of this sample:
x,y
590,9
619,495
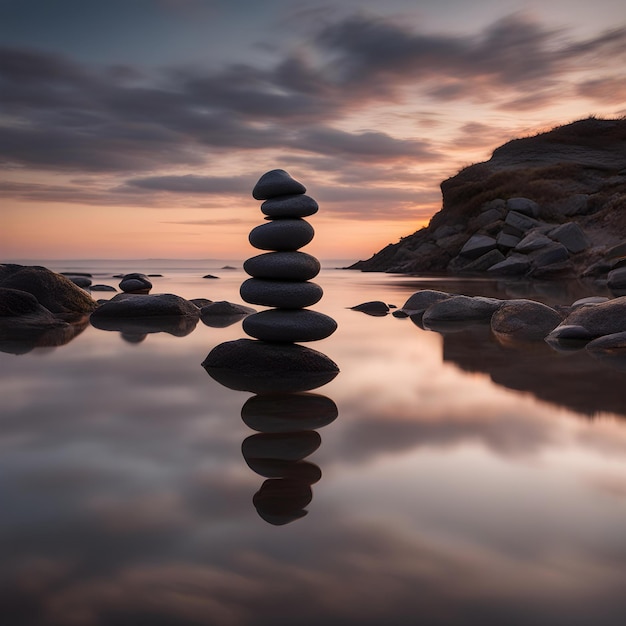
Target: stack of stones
x,y
281,277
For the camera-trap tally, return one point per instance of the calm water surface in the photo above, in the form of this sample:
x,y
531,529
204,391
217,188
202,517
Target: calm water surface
x,y
462,482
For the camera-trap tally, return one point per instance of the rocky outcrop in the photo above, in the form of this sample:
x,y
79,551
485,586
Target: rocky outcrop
x,y
548,206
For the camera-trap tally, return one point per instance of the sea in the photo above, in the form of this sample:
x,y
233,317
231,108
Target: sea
x,y
443,477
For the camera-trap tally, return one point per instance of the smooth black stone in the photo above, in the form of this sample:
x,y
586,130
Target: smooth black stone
x,y
290,206
280,293
283,266
261,367
282,235
286,412
289,325
135,282
276,183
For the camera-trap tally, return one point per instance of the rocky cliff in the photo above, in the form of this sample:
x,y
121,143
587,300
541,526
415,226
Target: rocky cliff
x,y
547,206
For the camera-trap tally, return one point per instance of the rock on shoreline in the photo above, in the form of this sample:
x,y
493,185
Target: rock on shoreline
x,y
546,207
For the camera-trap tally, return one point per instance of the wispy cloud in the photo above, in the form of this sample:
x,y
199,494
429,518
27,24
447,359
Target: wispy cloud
x,y
60,115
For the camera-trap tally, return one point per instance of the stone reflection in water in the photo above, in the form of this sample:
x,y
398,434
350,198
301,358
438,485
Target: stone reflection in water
x,y
21,340
135,330
272,364
286,437
572,379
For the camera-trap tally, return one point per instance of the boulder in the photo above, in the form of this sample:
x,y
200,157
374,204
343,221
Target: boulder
x,y
53,291
524,320
589,301
15,303
487,217
513,265
460,309
23,320
605,318
507,241
552,253
520,222
477,245
614,343
200,302
562,269
261,367
569,332
534,240
276,183
145,305
421,300
484,262
222,307
616,251
571,236
525,206
616,279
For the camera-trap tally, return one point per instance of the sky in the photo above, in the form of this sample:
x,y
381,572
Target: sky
x,y
135,129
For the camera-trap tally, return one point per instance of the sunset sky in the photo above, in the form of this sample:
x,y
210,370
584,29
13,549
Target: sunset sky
x,y
137,128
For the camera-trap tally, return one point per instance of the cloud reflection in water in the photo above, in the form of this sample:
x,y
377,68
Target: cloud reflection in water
x,y
445,495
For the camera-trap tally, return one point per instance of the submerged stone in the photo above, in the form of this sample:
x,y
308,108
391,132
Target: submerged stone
x,y
374,307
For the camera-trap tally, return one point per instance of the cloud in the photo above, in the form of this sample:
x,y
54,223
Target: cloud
x,y
60,115
607,89
194,184
369,145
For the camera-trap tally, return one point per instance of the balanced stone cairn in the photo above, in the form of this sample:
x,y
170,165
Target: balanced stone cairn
x,y
280,278
273,362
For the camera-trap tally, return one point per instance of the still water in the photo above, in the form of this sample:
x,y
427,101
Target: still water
x,y
462,482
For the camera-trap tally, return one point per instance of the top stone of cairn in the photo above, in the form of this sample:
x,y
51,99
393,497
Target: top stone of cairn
x,y
276,183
